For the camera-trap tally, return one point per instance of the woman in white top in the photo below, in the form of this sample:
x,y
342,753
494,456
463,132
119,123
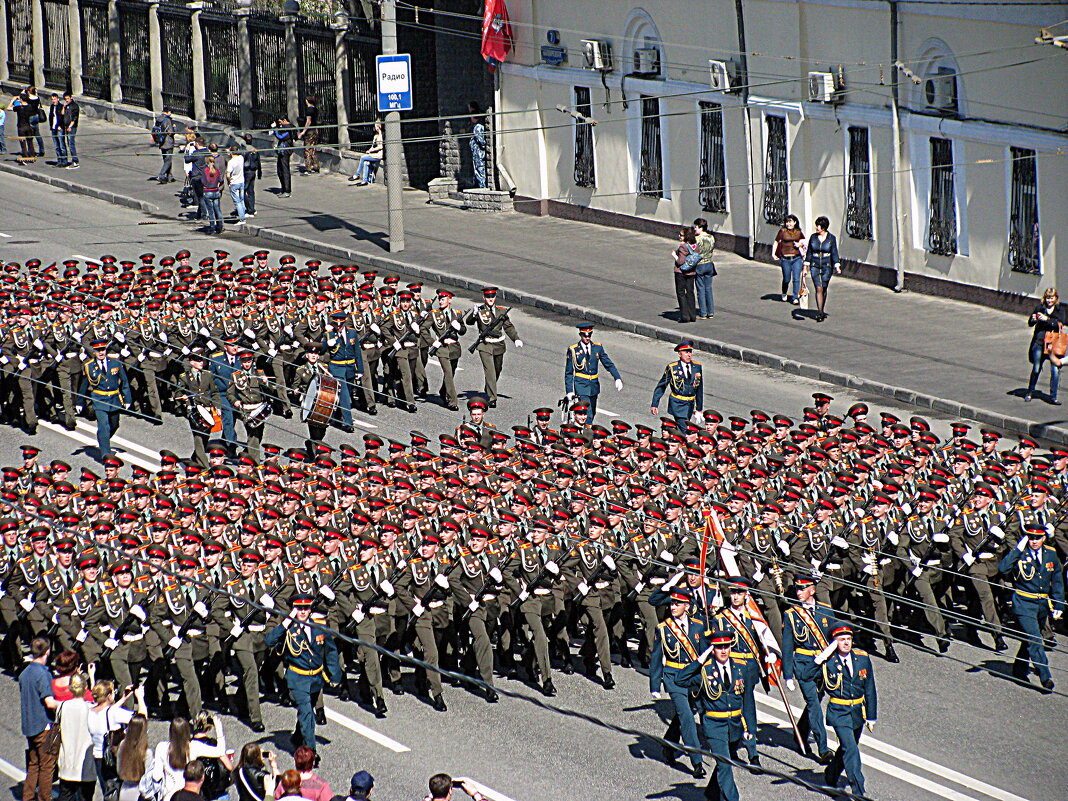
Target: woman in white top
x,y
76,769
134,763
174,753
108,716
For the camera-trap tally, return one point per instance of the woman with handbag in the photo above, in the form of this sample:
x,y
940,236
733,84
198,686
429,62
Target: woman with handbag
x,y
790,251
134,763
1048,321
104,720
76,768
821,262
212,182
686,257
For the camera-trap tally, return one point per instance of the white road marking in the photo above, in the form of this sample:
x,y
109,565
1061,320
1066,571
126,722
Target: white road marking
x,y
911,759
489,792
132,446
366,731
85,440
5,236
84,258
10,770
606,413
363,424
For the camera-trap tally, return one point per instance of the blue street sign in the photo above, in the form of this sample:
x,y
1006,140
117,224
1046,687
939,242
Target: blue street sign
x,y
394,82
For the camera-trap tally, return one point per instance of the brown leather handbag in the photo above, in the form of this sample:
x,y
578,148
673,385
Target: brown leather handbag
x,y
1056,345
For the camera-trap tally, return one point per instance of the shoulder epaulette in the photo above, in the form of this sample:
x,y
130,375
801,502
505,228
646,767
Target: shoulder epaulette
x,y
859,652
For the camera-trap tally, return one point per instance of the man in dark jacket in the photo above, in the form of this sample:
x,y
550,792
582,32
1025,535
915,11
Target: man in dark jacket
x,y
71,115
284,133
196,177
55,127
253,170
165,143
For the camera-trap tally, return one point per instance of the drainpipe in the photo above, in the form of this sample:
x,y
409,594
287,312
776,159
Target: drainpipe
x,y
743,78
900,208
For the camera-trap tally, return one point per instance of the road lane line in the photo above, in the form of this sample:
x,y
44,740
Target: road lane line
x,y
366,731
913,759
883,767
606,413
86,440
133,446
5,236
10,770
363,424
84,258
489,792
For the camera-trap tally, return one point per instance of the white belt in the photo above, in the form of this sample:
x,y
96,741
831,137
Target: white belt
x,y
257,628
493,340
435,604
658,581
601,585
542,591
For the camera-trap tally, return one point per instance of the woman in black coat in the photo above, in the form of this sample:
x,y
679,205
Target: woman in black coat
x,y
1047,316
821,262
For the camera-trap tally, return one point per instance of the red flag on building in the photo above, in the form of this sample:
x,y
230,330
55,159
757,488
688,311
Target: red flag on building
x,y
496,33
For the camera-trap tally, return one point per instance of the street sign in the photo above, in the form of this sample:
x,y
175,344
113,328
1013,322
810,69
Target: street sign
x,y
394,82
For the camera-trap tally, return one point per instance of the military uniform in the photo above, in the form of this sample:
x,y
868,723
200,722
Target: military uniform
x,y
677,643
107,386
491,349
581,369
443,329
849,680
684,386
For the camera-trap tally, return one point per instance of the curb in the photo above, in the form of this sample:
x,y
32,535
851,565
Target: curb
x,y
1006,423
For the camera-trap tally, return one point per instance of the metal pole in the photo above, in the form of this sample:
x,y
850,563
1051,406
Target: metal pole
x,y
394,147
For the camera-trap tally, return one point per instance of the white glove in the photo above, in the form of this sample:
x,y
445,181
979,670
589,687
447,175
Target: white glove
x,y
26,604
236,631
870,568
784,546
519,343
893,538
163,337
914,559
121,337
267,600
840,542
375,328
704,657
456,325
967,558
583,588
442,581
358,615
83,635
552,568
998,532
415,328
174,642
288,329
817,575
656,696
671,582
826,653
770,657
473,606
327,593
571,397
1021,546
758,576
791,685
418,610
111,643
496,575
619,385
397,345
1058,614
201,609
249,333
609,562
870,724
37,343
386,587
667,556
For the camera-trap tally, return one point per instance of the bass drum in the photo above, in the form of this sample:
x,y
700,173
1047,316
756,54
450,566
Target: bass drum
x,y
320,400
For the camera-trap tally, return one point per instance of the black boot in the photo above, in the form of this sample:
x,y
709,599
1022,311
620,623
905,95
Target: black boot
x,y
891,654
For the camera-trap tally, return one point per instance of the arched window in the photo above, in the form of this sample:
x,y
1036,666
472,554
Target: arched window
x,y
643,51
940,90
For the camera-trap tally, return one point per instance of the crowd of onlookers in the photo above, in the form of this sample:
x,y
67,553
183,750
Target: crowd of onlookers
x,y
62,115
82,734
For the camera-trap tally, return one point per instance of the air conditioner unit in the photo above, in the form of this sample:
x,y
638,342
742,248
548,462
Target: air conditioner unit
x,y
720,75
821,88
597,55
647,61
940,91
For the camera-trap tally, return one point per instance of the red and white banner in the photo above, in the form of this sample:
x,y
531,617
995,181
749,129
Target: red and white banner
x,y
496,33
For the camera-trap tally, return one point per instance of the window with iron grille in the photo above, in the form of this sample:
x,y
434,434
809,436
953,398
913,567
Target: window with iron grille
x,y
713,165
942,222
776,182
858,189
651,170
585,174
1024,240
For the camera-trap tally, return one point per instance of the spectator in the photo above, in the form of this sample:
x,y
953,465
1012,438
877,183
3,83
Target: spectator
x,y
790,251
441,785
283,132
105,717
370,158
173,754
1047,316
217,775
253,170
256,774
66,666
165,142
360,786
821,261
310,134
55,127
134,763
706,269
76,766
35,690
196,157
3,122
312,786
289,787
211,181
192,782
478,143
235,177
686,274
188,149
72,113
23,128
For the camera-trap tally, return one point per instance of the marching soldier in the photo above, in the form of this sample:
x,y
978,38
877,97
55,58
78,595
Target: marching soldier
x,y
422,591
477,585
200,394
83,612
806,630
151,358
976,537
403,333
66,340
248,627
367,605
346,363
593,571
849,678
683,384
124,616
186,612
444,329
493,326
223,365
250,396
581,368
925,544
365,323
107,386
306,374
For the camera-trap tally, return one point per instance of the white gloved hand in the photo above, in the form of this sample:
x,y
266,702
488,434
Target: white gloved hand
x,y
83,635
456,325
619,385
609,562
138,611
817,575
791,685
442,581
583,588
235,632
415,327
656,696
706,655
667,556
327,593
870,724
967,558
397,345
375,328
998,532
358,615
784,546
893,538
519,343
386,587
840,542
1021,546
770,657
267,600
111,643
552,568
417,610
174,642
1058,614
201,609
496,575
26,604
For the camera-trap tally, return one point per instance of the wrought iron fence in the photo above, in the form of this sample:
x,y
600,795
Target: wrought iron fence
x,y
222,79
942,224
713,190
176,32
19,40
858,188
776,181
585,169
363,99
57,42
1025,243
268,40
135,60
651,169
95,66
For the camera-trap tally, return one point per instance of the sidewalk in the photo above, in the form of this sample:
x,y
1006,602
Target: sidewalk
x,y
960,359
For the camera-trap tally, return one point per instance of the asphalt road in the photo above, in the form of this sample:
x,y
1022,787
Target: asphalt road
x,y
948,728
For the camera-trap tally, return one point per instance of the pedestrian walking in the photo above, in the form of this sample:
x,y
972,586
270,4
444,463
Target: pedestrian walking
x,y
211,184
235,179
821,262
75,768
72,113
686,258
3,135
1047,317
370,158
284,135
253,170
55,127
163,138
790,251
478,143
196,155
309,135
706,269
35,689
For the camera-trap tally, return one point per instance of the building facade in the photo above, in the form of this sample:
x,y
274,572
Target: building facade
x,y
944,173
